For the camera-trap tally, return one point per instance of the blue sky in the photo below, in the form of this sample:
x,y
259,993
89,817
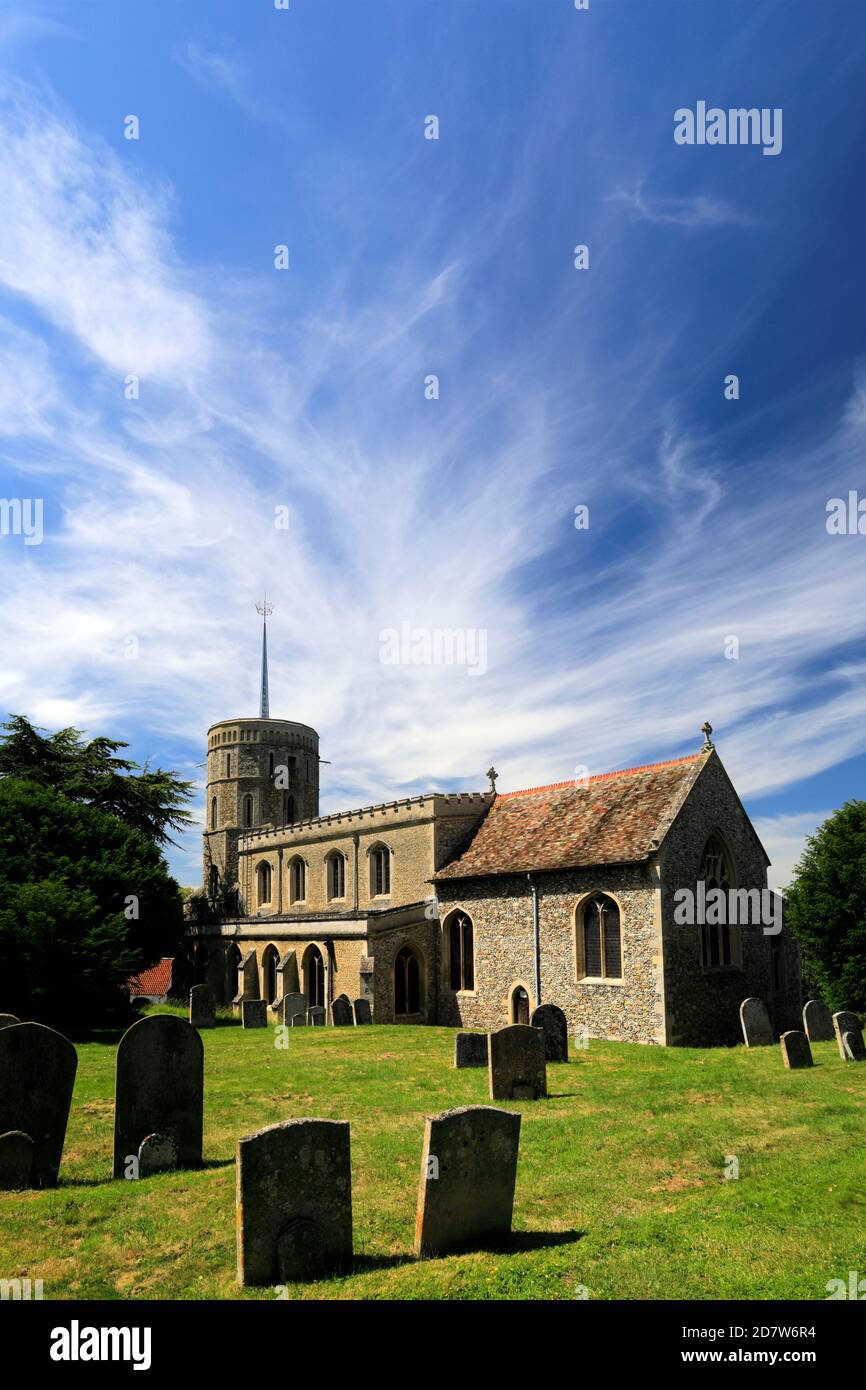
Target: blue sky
x,y
303,389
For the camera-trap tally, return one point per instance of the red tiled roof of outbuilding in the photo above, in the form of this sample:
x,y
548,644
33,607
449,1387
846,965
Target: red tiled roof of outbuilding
x,y
155,980
612,818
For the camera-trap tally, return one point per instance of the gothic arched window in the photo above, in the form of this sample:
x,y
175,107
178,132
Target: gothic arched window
x,y
264,881
248,810
601,938
213,813
336,866
519,1005
407,984
298,880
717,872
380,872
460,946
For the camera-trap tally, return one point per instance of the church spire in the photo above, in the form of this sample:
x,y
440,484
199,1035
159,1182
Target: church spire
x,y
265,609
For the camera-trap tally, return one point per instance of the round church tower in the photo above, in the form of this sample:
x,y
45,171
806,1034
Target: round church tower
x,y
260,772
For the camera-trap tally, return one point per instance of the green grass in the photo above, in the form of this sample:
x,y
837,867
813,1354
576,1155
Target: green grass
x,y
620,1183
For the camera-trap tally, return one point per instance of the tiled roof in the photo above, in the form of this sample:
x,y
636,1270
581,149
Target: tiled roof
x,y
155,980
614,818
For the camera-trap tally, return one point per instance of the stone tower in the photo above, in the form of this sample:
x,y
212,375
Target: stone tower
x,y
260,772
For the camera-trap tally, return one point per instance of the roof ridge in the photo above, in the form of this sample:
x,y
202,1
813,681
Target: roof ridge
x,y
601,776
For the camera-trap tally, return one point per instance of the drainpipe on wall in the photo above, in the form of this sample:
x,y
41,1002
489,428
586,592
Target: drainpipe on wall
x,y
536,938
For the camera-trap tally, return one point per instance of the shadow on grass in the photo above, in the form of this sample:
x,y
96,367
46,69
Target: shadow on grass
x,y
110,1180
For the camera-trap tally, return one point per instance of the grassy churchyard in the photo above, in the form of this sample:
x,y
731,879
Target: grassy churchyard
x,y
621,1186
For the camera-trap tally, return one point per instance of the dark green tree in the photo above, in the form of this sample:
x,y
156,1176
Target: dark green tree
x,y
826,908
86,902
152,801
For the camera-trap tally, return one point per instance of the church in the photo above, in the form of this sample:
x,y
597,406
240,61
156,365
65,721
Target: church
x,y
469,909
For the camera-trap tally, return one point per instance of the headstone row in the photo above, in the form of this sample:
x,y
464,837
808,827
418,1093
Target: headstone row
x,y
294,1192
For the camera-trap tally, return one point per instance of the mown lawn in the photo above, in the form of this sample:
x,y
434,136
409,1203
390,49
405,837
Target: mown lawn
x,y
620,1184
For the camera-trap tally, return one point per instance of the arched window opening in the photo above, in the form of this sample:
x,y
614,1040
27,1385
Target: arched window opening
x,y
336,875
213,882
264,876
271,760
407,984
519,1005
717,872
269,971
380,872
314,978
248,810
233,973
461,951
602,939
228,764
298,880
213,813
289,812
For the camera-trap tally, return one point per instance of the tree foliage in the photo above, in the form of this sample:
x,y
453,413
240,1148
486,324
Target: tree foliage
x,y
826,908
86,902
152,801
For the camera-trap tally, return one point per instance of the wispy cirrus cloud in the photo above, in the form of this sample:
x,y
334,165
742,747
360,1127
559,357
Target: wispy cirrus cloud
x,y
693,211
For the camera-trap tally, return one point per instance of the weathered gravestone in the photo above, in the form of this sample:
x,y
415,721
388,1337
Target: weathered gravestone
x,y
157,1153
254,1013
796,1051
553,1023
37,1073
6,1020
362,1011
294,1202
341,1012
289,1005
849,1037
755,1022
299,1020
317,1017
16,1160
202,1007
817,1021
470,1050
159,1092
468,1171
516,1065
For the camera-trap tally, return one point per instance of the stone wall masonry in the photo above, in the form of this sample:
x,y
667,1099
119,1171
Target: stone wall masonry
x,y
501,912
702,1007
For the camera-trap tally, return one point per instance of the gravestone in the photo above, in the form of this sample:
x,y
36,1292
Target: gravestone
x,y
317,1017
363,1012
848,1036
341,1012
516,1065
796,1051
202,1007
468,1171
299,1020
289,1005
37,1073
6,1020
817,1021
470,1050
157,1153
159,1090
755,1022
254,1013
16,1160
553,1023
294,1202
